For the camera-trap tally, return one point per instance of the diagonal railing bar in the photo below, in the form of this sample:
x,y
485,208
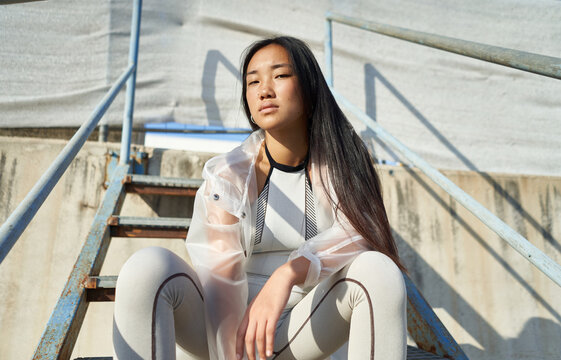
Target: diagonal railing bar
x,y
521,60
514,239
426,328
61,332
16,223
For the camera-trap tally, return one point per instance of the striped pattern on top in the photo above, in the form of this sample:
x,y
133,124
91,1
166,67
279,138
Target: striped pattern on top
x,y
311,224
310,213
261,211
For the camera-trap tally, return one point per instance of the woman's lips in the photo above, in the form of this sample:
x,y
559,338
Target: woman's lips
x,y
268,108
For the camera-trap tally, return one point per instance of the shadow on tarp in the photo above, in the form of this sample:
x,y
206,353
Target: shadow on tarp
x,y
212,60
372,73
511,195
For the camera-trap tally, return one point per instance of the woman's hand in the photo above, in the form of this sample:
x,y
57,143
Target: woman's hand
x,y
260,320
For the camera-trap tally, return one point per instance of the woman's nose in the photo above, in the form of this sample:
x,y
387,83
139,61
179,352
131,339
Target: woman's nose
x,y
266,91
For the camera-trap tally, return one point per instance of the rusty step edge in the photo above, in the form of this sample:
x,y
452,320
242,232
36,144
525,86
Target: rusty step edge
x,y
100,288
143,227
413,353
157,185
98,282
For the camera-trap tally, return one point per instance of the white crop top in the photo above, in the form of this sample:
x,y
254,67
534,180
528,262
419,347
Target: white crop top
x,y
285,218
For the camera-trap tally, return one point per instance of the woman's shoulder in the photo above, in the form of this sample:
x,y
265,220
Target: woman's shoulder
x,y
235,165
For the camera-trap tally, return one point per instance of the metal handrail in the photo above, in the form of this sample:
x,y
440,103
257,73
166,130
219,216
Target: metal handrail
x,y
517,241
131,84
516,59
537,65
20,218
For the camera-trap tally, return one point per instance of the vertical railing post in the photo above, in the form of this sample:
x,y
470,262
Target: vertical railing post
x,y
328,50
131,83
103,130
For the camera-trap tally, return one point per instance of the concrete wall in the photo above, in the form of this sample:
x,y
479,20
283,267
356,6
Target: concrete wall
x,y
496,304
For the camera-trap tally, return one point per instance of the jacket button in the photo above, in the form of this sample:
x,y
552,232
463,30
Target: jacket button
x,y
243,215
216,197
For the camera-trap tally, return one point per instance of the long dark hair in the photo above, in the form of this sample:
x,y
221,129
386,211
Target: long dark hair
x,y
335,144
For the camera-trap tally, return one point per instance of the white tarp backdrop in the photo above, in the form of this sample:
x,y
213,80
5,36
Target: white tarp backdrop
x,y
58,58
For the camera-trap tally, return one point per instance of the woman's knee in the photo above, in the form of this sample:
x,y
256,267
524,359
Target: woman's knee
x,y
377,271
150,267
374,260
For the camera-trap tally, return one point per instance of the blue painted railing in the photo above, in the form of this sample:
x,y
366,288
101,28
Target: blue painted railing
x,y
131,83
538,64
17,222
62,328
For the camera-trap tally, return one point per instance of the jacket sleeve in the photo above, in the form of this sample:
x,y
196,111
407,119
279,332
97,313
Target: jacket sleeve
x,y
216,251
329,251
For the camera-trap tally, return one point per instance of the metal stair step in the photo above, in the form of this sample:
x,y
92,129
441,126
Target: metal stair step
x,y
158,185
413,353
161,227
100,288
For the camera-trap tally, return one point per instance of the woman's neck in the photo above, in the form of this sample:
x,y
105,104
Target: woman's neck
x,y
287,149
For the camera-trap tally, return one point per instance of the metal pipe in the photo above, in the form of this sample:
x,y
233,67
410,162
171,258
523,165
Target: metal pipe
x,y
192,131
328,50
140,128
11,2
131,83
103,131
521,60
514,239
26,210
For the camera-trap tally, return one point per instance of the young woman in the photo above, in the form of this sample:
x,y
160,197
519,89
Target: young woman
x,y
290,242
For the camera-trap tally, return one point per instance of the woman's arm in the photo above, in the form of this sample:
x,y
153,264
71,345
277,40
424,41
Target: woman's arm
x,y
214,245
313,261
261,317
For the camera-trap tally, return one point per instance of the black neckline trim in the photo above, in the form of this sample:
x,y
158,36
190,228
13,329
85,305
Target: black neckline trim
x,y
286,168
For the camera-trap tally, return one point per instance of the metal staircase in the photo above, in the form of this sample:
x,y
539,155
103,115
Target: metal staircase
x,y
84,284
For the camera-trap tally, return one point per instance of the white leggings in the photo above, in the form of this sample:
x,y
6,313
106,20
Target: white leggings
x,y
159,302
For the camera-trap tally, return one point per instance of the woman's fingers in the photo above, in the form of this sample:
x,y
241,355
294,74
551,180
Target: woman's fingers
x,y
262,315
265,337
240,336
256,331
260,338
270,336
250,340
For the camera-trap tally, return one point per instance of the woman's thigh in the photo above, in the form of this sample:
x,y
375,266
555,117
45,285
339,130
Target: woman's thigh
x,y
363,303
158,302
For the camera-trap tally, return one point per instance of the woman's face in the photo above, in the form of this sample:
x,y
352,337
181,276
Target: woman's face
x,y
273,92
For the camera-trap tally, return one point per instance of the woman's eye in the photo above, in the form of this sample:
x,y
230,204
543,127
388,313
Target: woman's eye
x,y
252,82
283,75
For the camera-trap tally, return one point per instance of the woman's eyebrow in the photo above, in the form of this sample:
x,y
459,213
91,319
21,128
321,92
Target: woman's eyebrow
x,y
275,66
